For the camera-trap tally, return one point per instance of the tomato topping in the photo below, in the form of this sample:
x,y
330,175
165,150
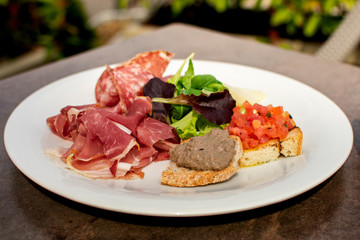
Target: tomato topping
x,y
256,124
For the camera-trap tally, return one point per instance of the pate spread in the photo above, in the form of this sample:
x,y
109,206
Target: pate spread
x,y
213,151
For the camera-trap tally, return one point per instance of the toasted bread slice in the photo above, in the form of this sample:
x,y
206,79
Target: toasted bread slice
x,y
292,144
184,177
270,151
266,152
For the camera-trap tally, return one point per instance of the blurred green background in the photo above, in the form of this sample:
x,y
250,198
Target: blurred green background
x,y
62,28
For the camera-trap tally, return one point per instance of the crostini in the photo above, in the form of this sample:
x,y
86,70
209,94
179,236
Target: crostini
x,y
184,175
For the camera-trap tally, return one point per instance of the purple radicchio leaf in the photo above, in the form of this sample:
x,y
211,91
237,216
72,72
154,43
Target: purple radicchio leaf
x,y
216,107
157,88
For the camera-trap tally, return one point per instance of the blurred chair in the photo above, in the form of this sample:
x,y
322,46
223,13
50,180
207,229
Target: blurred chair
x,y
345,38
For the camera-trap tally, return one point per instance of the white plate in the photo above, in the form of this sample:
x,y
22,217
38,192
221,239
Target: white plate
x,y
328,140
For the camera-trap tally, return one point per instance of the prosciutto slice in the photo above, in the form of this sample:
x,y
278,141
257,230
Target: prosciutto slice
x,y
140,107
115,137
112,145
64,123
115,141
117,87
151,131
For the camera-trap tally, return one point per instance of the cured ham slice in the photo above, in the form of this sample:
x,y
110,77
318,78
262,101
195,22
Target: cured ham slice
x,y
116,143
117,87
116,138
64,124
98,168
139,108
151,131
87,148
112,145
140,157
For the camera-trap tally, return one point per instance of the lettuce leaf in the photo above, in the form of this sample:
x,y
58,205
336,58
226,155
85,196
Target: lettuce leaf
x,y
186,127
178,112
194,124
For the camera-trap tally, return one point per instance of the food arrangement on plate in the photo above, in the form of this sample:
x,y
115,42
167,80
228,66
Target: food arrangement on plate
x,y
208,130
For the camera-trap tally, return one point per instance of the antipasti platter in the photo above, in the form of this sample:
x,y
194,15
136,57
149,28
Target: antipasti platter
x,y
249,188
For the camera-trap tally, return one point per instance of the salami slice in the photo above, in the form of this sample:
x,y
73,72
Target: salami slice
x,y
117,87
155,62
129,81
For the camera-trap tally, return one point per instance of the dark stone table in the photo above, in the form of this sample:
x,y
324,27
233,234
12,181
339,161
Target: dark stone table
x,y
329,211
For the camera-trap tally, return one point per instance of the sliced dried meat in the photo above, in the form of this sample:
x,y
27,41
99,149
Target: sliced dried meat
x,y
87,147
112,145
155,61
140,107
105,89
151,131
117,87
116,142
64,124
116,138
129,81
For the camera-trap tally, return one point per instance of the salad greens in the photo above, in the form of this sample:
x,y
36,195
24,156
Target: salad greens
x,y
199,103
195,84
194,124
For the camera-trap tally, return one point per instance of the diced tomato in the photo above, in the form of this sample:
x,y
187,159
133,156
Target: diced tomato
x,y
283,131
240,122
253,143
245,144
258,124
259,132
279,122
264,139
249,129
277,110
248,107
261,109
272,132
243,134
237,110
238,132
234,130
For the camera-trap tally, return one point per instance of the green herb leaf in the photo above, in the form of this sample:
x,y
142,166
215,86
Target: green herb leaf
x,y
177,75
199,84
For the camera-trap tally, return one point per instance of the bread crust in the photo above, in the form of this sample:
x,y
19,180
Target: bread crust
x,y
292,144
289,147
184,177
263,153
